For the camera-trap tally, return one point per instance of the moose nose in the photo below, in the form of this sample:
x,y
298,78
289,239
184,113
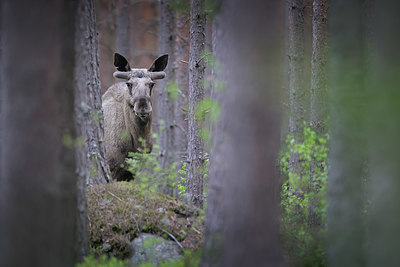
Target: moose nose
x,y
143,107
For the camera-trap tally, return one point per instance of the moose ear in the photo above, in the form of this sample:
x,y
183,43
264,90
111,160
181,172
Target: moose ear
x,y
121,63
159,64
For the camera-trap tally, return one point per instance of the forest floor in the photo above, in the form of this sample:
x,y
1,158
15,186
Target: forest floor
x,y
120,211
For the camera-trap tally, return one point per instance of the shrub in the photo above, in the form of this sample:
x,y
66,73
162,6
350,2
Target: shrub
x,y
303,198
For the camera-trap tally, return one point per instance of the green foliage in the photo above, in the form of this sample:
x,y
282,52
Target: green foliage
x,y
181,185
102,261
147,171
190,259
210,59
211,7
303,198
208,109
173,90
181,6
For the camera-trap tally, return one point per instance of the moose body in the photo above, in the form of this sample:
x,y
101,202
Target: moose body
x,y
127,108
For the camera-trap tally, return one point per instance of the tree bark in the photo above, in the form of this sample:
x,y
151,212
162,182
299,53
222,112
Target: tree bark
x,y
384,213
166,101
319,103
38,192
319,110
296,78
296,66
242,223
196,94
182,81
90,154
123,28
1,89
347,114
88,110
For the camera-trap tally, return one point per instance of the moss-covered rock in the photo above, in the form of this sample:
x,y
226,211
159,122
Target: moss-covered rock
x,y
118,212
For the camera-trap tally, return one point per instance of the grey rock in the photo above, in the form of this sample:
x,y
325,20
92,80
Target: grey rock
x,y
104,203
154,249
106,247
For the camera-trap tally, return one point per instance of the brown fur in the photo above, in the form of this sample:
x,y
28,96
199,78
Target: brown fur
x,y
127,108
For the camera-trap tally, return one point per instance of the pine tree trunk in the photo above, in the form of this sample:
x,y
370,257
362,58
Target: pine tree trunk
x,y
196,94
166,105
38,191
296,78
1,90
122,28
319,110
347,114
91,164
319,103
384,213
182,81
242,223
296,65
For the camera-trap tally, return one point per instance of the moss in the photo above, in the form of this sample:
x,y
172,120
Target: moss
x,y
118,212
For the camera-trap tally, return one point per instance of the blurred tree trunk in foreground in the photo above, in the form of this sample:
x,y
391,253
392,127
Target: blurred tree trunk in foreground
x,y
347,70
166,94
196,94
1,88
215,213
296,78
249,225
384,111
319,109
38,196
318,101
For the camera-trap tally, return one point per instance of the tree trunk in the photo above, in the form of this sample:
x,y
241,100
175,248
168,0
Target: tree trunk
x,y
319,110
122,28
215,213
242,221
91,164
319,103
347,154
38,192
384,214
296,79
166,107
196,94
1,89
182,81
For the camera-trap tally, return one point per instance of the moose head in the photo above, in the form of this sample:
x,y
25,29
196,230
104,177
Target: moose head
x,y
140,83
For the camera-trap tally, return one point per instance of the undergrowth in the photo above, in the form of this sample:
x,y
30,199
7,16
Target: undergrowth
x,y
303,198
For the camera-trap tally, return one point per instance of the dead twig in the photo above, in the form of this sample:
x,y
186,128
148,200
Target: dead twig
x,y
137,224
173,237
111,194
197,231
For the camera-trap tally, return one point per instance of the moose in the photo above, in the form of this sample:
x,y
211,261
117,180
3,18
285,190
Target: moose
x,y
127,109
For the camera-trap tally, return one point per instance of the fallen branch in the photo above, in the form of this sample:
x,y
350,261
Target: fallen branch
x,y
173,237
111,194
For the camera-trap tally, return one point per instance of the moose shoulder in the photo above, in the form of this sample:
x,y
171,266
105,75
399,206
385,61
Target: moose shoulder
x,y
127,108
